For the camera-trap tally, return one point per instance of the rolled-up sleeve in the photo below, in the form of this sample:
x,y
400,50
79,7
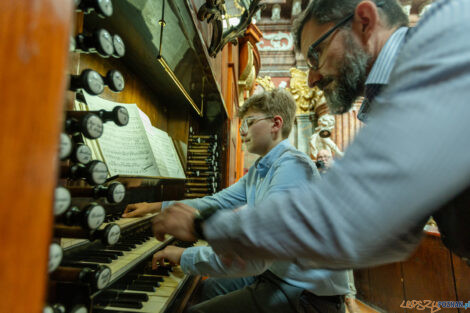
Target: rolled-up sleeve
x,y
204,261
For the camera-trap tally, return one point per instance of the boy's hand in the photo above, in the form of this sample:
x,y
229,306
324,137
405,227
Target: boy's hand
x,y
141,209
170,253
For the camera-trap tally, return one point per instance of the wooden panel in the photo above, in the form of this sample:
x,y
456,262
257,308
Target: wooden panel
x,y
387,287
33,54
461,276
428,274
361,280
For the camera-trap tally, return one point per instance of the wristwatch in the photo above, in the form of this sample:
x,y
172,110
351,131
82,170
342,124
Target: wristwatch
x,y
199,218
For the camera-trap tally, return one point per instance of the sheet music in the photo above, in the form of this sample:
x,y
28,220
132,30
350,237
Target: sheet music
x,y
163,149
125,150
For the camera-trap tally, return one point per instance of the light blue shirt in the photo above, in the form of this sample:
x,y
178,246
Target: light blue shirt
x,y
413,157
283,168
379,74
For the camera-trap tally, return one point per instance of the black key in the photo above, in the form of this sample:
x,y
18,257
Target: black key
x,y
97,259
117,294
111,254
121,304
119,247
95,310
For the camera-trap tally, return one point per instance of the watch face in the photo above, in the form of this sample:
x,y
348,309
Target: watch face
x,y
94,83
105,41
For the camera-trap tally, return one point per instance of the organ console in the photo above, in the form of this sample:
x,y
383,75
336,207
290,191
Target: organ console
x,y
95,261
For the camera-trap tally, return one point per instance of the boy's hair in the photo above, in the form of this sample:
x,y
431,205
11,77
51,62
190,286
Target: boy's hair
x,y
275,102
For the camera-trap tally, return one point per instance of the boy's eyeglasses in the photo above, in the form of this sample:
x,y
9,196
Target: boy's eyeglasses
x,y
246,123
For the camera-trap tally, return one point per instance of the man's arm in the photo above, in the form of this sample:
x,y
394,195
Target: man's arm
x,y
409,160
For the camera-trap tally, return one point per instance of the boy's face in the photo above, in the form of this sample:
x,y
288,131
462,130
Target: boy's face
x,y
256,132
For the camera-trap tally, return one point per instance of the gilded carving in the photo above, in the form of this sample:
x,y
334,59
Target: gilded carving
x,y
304,96
266,82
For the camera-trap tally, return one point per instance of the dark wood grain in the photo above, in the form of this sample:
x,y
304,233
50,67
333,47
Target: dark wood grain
x,y
428,273
387,287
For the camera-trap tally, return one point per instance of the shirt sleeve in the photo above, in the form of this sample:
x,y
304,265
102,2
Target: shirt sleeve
x,y
410,159
204,261
229,198
292,169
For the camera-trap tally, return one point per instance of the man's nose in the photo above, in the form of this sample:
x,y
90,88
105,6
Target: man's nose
x,y
313,78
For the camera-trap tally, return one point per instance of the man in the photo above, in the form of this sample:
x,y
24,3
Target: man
x,y
371,206
324,160
281,286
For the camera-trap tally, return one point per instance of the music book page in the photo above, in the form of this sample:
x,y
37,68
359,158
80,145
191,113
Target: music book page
x,y
137,149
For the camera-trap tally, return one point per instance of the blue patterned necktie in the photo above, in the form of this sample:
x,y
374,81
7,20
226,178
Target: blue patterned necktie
x,y
371,90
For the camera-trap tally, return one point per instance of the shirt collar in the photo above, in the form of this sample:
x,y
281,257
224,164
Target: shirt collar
x,y
263,164
382,68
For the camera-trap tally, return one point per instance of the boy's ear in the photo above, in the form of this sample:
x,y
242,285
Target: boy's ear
x,y
278,123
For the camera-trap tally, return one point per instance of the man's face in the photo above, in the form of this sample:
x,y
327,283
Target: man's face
x,y
257,135
342,65
325,156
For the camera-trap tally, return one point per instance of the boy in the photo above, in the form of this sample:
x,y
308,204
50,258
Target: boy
x,y
267,121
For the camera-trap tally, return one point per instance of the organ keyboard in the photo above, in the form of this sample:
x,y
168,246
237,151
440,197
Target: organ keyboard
x,y
146,292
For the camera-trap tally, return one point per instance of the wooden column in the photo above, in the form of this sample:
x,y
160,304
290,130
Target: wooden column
x,y
34,41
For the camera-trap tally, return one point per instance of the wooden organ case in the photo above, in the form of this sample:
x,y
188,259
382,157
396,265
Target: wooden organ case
x,y
168,73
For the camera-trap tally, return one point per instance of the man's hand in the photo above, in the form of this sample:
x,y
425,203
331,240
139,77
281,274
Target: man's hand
x,y
176,220
141,209
170,253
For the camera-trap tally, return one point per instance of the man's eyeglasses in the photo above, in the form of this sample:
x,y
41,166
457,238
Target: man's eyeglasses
x,y
313,55
247,122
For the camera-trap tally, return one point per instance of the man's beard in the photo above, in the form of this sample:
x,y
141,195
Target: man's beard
x,y
352,75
